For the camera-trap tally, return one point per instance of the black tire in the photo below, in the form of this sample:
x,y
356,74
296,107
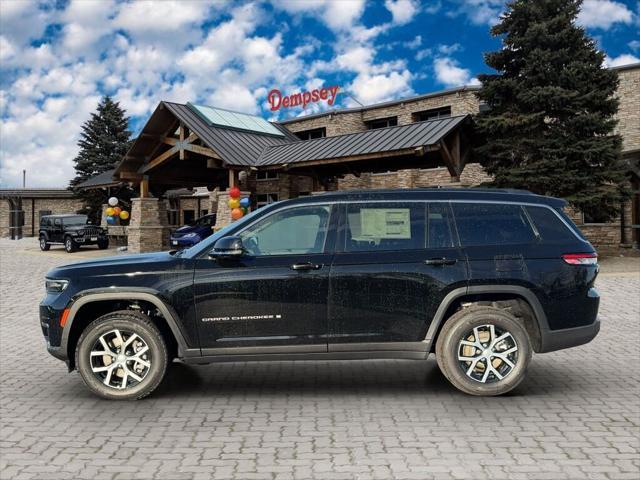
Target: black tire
x,y
127,323
103,244
70,245
44,246
460,327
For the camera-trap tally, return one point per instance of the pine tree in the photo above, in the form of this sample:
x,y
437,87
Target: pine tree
x,y
104,140
550,118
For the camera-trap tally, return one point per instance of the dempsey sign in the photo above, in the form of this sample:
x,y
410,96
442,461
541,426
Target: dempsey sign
x,y
277,100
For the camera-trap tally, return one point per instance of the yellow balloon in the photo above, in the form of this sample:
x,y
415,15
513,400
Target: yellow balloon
x,y
124,214
234,203
110,212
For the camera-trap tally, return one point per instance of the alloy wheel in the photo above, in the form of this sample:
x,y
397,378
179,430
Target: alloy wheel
x,y
120,359
487,354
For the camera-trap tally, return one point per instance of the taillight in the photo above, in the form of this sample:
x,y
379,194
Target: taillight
x,y
580,258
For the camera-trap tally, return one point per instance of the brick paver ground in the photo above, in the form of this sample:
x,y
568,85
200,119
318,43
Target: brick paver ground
x,y
576,416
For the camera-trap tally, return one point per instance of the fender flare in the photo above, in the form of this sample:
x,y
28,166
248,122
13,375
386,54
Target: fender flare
x,y
151,296
527,294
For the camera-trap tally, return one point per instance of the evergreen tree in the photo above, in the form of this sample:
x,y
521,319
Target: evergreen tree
x,y
104,140
549,125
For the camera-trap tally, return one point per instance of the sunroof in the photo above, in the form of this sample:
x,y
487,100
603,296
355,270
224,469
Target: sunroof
x,y
236,120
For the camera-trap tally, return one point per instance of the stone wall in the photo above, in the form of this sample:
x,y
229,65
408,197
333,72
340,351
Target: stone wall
x,y
629,109
148,230
338,123
35,205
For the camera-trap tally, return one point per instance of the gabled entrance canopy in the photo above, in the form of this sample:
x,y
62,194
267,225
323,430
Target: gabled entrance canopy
x,y
179,147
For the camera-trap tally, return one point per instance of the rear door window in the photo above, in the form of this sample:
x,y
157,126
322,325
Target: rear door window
x,y
492,224
372,227
439,231
550,227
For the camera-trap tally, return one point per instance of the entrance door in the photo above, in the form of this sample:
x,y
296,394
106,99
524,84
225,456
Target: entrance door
x,y
394,264
276,294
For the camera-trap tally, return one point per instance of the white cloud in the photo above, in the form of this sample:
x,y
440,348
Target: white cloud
x,y
603,14
415,43
624,59
402,11
450,74
634,45
337,15
479,12
370,89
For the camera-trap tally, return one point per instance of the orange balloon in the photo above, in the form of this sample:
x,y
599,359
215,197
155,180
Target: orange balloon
x,y
117,210
236,213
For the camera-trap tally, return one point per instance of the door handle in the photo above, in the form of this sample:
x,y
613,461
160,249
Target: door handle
x,y
306,266
440,261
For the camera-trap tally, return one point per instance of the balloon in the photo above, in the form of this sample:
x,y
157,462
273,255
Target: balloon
x,y
234,192
234,203
116,211
113,201
236,213
109,211
244,202
111,220
124,214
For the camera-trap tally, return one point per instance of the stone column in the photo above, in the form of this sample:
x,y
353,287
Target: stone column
x,y
148,229
223,212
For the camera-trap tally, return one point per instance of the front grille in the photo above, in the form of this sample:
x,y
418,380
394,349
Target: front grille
x,y
91,231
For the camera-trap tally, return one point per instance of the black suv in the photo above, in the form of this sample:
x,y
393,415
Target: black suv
x,y
72,231
483,278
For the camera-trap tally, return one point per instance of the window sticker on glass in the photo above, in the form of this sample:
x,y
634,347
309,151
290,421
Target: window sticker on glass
x,y
383,223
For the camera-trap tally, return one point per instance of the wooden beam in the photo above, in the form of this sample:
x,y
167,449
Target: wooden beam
x,y
207,152
233,178
160,159
170,140
144,187
192,138
448,159
181,133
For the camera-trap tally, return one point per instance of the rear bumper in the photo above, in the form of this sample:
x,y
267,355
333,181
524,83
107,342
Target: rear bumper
x,y
552,340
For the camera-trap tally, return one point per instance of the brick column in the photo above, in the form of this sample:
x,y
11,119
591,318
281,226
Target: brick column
x,y
223,212
148,230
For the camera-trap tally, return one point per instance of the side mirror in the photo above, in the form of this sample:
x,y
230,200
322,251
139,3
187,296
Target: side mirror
x,y
227,247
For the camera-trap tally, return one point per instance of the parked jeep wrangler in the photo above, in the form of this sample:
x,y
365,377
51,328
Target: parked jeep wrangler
x,y
483,278
72,231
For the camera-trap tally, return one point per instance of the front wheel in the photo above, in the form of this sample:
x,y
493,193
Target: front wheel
x,y
44,246
483,351
122,356
70,245
103,244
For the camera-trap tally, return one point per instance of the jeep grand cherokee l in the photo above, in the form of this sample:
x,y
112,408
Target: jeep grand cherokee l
x,y
483,278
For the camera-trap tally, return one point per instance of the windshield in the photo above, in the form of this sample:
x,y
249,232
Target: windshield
x,y
206,244
75,220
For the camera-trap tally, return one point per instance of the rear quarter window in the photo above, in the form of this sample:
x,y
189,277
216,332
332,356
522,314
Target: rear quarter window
x,y
492,224
549,226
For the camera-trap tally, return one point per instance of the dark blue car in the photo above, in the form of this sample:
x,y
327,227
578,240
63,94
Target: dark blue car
x,y
193,233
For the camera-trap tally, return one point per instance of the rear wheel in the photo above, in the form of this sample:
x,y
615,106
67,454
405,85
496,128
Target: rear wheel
x,y
122,356
44,246
483,351
70,245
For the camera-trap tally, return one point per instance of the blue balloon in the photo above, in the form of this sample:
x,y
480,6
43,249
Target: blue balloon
x,y
111,220
245,202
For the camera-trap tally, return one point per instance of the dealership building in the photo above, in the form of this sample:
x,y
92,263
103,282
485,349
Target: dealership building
x,y
187,156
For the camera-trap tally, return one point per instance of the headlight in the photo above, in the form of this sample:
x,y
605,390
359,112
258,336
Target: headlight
x,y
191,235
55,285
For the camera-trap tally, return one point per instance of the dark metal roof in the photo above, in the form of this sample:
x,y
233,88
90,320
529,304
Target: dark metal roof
x,y
104,179
236,147
380,140
36,193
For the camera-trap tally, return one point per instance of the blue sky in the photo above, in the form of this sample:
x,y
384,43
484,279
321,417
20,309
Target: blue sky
x,y
57,58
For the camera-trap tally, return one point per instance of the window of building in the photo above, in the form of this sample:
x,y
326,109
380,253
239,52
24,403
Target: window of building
x,y
313,133
492,224
204,212
382,123
189,216
593,217
266,175
380,227
173,217
263,199
432,114
293,231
